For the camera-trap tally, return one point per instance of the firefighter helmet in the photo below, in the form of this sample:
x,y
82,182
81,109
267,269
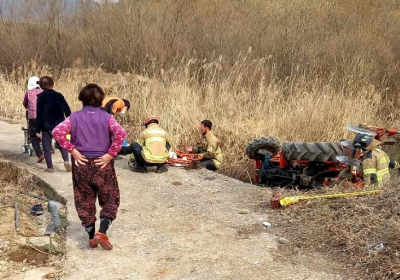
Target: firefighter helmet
x,y
151,119
362,141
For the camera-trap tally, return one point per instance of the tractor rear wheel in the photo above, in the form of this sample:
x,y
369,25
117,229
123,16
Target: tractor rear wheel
x,y
312,151
271,144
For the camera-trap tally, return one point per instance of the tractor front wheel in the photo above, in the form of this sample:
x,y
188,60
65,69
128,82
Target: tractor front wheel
x,y
271,144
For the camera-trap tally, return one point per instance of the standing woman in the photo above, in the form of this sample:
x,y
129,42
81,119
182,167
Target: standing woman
x,y
30,104
51,109
93,173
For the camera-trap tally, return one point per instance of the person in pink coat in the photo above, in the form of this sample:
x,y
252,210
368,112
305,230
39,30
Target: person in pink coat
x,y
30,104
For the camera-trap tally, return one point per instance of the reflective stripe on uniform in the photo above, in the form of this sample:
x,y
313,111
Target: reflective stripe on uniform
x,y
383,171
380,174
369,171
155,131
156,158
155,139
153,158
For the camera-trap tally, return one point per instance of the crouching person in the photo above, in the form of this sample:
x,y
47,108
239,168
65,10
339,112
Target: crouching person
x,y
376,162
209,147
93,174
151,148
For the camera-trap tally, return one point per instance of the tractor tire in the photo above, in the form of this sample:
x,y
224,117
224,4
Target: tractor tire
x,y
312,151
271,144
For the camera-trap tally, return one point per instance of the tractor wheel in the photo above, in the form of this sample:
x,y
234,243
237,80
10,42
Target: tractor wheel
x,y
271,144
312,151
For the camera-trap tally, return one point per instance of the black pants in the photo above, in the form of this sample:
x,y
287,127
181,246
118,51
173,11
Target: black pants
x,y
208,164
32,137
46,144
136,149
137,153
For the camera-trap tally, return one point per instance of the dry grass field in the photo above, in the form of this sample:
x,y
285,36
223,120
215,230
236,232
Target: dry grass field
x,y
297,70
300,111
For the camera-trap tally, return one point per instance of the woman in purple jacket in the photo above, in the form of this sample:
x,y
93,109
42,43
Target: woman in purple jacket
x,y
93,173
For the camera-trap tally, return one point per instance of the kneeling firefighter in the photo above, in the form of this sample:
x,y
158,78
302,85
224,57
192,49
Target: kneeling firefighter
x,y
151,148
376,162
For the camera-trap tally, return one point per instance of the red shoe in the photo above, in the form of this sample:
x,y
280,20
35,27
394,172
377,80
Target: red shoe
x,y
93,243
102,239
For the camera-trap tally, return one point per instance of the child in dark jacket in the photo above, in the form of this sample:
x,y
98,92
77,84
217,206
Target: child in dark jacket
x,y
93,173
51,109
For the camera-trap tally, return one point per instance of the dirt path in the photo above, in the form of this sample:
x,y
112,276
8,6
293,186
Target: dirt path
x,y
176,225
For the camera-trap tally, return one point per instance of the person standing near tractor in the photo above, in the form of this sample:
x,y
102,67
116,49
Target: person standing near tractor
x,y
151,148
51,110
29,103
209,147
376,162
93,151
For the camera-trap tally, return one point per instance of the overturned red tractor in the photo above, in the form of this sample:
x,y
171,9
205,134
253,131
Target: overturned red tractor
x,y
311,164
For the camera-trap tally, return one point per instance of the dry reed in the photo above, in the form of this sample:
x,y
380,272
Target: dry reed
x,y
298,110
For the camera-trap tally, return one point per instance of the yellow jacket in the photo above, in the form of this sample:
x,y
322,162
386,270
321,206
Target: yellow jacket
x,y
210,148
154,140
375,165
